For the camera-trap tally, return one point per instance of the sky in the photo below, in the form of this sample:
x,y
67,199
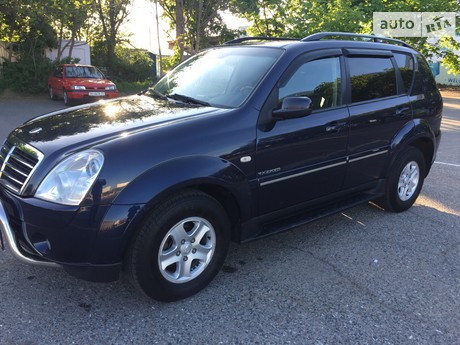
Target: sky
x,y
143,27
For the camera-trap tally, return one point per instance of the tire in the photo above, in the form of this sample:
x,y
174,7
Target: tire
x,y
180,247
53,97
67,101
404,182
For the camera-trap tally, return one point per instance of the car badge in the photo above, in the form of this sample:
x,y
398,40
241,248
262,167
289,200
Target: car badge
x,y
36,130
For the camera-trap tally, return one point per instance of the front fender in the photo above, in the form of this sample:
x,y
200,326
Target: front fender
x,y
139,196
182,173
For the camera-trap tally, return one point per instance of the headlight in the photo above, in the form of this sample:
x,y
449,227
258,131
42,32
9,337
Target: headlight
x,y
69,182
77,87
111,87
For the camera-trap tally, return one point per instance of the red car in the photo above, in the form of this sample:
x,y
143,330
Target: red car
x,y
80,82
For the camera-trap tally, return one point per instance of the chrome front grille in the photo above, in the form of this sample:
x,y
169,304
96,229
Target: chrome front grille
x,y
17,163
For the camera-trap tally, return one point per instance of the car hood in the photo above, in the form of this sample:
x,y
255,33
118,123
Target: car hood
x,y
88,125
89,81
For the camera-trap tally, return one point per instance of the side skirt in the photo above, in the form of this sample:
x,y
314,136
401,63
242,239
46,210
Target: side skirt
x,y
307,213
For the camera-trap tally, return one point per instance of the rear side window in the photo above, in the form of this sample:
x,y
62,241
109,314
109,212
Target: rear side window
x,y
371,78
405,64
424,80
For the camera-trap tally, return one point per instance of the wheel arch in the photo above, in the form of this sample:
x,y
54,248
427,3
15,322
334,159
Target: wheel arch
x,y
220,179
221,194
416,133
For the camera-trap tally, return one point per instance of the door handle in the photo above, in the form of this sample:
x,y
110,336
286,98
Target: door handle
x,y
335,126
401,111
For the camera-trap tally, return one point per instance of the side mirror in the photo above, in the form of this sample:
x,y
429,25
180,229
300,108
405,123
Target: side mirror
x,y
293,108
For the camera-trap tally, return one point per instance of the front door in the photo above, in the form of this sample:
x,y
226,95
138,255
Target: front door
x,y
305,158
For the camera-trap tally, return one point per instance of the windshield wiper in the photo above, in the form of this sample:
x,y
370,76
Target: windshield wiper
x,y
155,94
187,99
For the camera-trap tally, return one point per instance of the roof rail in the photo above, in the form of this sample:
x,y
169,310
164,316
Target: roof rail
x,y
260,38
379,39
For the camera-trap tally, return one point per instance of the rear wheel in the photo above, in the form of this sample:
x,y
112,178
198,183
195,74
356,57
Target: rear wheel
x,y
404,182
180,247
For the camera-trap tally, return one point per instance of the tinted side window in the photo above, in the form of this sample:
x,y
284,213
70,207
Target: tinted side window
x,y
405,63
424,79
319,79
371,78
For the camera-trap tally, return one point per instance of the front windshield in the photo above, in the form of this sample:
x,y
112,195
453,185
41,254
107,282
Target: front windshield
x,y
83,72
223,77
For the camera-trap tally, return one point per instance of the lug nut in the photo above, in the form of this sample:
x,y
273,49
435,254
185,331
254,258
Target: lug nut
x,y
185,258
194,250
178,253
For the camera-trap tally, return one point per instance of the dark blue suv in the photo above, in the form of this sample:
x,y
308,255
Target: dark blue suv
x,y
238,142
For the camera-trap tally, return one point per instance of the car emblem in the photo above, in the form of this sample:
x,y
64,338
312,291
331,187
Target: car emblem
x,y
36,130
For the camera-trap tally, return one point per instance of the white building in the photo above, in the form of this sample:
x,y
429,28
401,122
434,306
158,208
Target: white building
x,y
80,50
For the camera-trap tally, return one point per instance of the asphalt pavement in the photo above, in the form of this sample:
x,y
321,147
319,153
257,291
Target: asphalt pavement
x,y
361,277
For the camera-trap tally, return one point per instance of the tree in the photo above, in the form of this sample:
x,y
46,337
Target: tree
x,y
69,19
25,27
26,24
111,14
298,18
268,17
196,22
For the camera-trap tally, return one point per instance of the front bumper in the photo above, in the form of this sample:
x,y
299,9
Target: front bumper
x,y
59,237
8,238
89,94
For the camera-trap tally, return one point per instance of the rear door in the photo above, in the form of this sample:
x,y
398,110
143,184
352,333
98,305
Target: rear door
x,y
305,158
379,109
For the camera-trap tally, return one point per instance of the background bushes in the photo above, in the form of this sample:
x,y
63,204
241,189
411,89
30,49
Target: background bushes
x,y
133,71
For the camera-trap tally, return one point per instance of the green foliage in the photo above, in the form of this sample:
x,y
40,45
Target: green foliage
x,y
170,62
131,88
299,18
27,75
69,17
111,14
130,65
199,25
25,25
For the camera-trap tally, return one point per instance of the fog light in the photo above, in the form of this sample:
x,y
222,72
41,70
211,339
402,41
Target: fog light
x,y
41,244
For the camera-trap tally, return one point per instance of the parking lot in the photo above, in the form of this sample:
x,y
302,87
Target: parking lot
x,y
361,277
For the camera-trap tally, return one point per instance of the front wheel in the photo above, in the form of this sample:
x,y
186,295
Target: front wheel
x,y
67,101
405,181
180,247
